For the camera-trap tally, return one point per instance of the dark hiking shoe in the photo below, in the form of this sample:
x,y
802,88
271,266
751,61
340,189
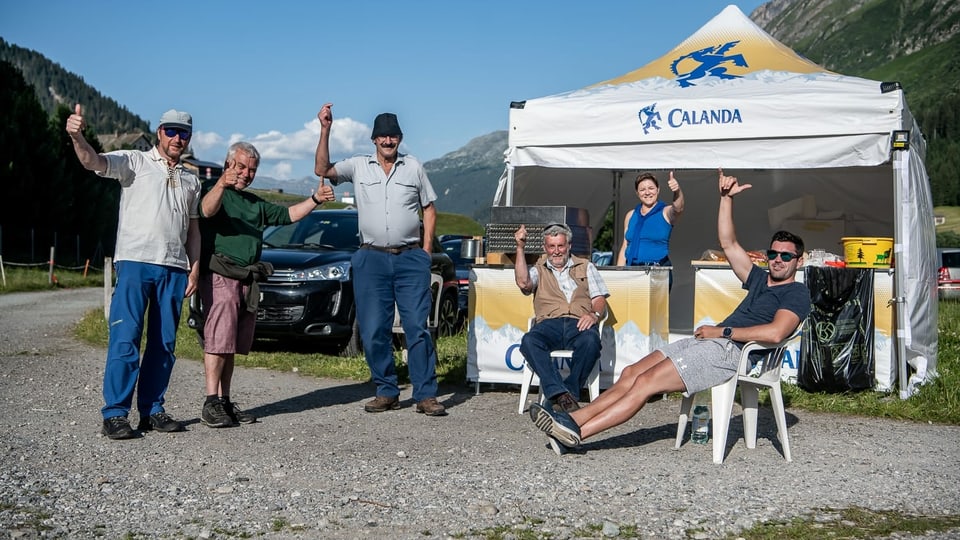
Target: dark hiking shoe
x,y
382,403
117,428
238,415
431,407
215,415
160,421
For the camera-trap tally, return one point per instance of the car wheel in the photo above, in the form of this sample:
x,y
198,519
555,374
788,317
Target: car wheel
x,y
353,346
449,313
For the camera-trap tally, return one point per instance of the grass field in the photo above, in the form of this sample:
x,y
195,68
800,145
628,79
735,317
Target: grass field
x,y
951,216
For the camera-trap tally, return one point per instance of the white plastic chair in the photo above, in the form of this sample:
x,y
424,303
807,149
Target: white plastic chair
x,y
750,380
530,378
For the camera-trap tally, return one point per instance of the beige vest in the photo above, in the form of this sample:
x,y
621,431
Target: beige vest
x,y
549,301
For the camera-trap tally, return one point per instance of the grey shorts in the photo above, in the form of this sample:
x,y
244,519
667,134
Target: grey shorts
x,y
703,363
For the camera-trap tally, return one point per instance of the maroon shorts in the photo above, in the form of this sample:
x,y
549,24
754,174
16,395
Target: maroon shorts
x,y
229,327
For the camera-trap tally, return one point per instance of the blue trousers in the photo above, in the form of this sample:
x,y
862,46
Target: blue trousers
x,y
560,333
381,280
142,290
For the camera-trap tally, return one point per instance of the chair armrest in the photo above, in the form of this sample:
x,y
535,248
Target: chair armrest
x,y
775,349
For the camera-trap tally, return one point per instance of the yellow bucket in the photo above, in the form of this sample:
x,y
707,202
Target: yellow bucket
x,y
868,252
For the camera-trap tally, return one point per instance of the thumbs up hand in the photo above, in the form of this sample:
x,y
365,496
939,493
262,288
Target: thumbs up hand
x,y
672,183
325,192
75,123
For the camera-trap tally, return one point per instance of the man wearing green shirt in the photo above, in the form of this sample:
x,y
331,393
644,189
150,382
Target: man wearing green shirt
x,y
231,230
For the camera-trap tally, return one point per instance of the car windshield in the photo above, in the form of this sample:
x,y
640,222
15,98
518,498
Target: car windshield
x,y
950,259
318,229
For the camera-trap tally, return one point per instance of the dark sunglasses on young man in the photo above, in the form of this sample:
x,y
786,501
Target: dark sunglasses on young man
x,y
173,132
785,256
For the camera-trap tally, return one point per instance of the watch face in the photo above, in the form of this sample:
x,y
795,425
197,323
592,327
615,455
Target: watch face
x,y
727,332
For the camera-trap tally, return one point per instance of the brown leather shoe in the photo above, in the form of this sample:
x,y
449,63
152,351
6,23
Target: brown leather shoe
x,y
431,407
382,404
565,402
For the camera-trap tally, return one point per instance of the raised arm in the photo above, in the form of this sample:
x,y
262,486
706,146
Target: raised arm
x,y
322,166
675,209
89,158
520,270
737,256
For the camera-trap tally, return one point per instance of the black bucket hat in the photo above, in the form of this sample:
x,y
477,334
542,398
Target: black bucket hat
x,y
386,124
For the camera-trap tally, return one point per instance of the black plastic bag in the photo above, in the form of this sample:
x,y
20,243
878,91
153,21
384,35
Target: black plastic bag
x,y
836,350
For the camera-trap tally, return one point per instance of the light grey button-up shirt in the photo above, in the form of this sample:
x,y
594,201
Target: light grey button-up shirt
x,y
388,205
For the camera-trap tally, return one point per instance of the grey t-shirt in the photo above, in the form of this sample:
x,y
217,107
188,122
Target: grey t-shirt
x,y
763,301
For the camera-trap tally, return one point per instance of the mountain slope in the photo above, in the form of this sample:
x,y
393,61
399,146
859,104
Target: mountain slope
x,y
466,179
56,86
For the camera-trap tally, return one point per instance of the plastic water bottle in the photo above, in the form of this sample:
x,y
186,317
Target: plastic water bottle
x,y
700,432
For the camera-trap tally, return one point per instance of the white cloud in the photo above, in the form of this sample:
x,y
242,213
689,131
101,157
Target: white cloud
x,y
279,151
205,140
284,169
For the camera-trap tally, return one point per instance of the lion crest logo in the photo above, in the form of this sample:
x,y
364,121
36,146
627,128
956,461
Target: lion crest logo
x,y
708,62
649,118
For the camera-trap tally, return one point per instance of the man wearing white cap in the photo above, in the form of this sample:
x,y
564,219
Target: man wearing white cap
x,y
158,247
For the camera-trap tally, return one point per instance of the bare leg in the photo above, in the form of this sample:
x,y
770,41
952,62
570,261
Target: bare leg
x,y
612,395
214,367
659,378
226,375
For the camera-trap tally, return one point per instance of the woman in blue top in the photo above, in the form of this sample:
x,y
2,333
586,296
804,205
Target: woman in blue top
x,y
647,227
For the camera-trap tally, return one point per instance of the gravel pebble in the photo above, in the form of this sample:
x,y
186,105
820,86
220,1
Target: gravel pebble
x,y
317,466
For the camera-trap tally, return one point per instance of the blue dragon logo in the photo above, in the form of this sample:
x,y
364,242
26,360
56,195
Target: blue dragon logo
x,y
710,60
650,117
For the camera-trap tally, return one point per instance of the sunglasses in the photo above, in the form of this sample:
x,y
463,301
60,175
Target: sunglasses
x,y
785,256
173,132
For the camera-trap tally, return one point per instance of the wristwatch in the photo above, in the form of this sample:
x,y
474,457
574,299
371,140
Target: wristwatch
x,y
727,332
597,313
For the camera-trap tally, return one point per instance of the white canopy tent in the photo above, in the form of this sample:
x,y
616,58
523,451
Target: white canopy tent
x,y
732,96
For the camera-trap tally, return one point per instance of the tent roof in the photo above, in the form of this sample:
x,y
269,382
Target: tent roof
x,y
730,26
727,84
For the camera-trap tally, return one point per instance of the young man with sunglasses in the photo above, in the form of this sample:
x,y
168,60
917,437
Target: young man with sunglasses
x,y
232,225
773,308
158,246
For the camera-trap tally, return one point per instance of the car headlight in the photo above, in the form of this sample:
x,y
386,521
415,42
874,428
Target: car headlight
x,y
338,271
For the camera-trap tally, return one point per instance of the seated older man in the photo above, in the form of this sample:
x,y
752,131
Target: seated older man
x,y
569,299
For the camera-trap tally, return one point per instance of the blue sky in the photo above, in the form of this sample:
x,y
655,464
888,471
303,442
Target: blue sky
x,y
259,71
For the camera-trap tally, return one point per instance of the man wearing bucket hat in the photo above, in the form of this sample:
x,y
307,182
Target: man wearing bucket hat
x,y
391,266
158,246
773,308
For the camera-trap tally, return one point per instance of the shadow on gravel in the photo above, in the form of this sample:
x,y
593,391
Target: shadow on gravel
x,y
766,429
321,397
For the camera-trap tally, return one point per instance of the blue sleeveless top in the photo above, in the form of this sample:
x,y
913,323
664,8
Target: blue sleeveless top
x,y
648,237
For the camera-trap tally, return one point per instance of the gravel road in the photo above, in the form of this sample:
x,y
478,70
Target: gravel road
x,y
317,466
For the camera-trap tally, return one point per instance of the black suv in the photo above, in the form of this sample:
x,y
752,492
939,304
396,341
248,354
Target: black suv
x,y
311,296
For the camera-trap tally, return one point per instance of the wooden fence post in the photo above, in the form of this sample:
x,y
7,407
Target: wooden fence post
x,y
107,286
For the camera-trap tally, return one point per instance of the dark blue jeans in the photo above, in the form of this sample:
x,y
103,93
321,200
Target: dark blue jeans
x,y
380,280
561,333
143,290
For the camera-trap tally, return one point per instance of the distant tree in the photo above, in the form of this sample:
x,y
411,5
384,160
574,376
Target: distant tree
x,y
89,203
948,239
26,161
